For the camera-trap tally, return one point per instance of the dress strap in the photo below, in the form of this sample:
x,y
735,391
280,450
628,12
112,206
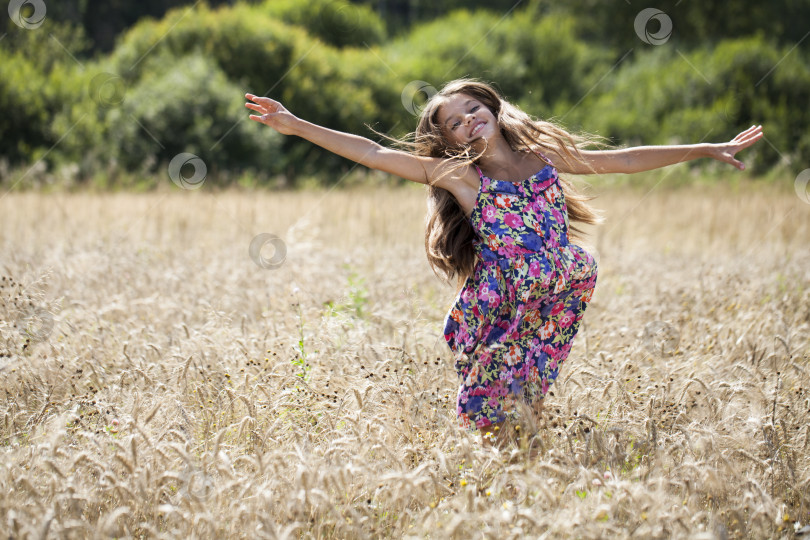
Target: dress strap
x,y
544,157
480,174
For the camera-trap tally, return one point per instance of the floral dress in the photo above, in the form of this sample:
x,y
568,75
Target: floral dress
x,y
513,321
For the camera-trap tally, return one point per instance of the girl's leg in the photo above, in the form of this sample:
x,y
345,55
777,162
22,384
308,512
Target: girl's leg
x,y
495,435
500,434
539,410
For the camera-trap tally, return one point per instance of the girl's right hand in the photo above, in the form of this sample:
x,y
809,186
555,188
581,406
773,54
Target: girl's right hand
x,y
273,114
725,151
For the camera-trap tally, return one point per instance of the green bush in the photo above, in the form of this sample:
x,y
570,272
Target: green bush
x,y
337,22
533,61
262,55
665,97
187,104
38,80
31,100
177,85
253,49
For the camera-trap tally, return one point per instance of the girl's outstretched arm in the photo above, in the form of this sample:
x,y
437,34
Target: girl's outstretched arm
x,y
645,158
364,151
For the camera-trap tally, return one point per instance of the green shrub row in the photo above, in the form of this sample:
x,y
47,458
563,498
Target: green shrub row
x,y
177,85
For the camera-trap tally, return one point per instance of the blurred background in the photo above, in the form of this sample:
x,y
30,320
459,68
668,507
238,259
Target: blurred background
x,y
105,95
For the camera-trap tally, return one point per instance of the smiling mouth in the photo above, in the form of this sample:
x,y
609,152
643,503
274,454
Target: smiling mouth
x,y
477,128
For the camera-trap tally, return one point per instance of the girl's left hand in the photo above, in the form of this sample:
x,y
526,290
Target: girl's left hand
x,y
725,151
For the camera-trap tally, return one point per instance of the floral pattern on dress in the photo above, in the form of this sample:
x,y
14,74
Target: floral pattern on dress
x,y
512,324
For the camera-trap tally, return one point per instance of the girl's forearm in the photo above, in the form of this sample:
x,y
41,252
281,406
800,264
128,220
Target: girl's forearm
x,y
644,158
353,147
368,153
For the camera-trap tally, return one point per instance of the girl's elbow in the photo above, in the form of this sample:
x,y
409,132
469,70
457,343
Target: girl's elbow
x,y
376,158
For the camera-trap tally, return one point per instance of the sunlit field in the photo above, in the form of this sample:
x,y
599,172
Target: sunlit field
x,y
160,380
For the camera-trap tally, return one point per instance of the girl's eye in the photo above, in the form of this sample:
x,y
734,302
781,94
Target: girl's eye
x,y
458,123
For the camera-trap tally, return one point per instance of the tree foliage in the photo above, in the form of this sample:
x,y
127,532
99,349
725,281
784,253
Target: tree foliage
x,y
176,83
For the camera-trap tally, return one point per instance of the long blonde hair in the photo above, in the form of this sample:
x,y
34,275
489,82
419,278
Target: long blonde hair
x,y
448,233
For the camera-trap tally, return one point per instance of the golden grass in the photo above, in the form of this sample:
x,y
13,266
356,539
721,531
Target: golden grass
x,y
175,389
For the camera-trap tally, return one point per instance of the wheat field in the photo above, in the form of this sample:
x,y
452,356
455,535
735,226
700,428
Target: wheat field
x,y
159,382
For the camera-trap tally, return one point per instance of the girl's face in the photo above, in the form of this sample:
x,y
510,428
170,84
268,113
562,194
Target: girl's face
x,y
465,121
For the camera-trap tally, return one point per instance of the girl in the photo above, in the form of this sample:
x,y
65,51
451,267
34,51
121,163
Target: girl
x,y
498,221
